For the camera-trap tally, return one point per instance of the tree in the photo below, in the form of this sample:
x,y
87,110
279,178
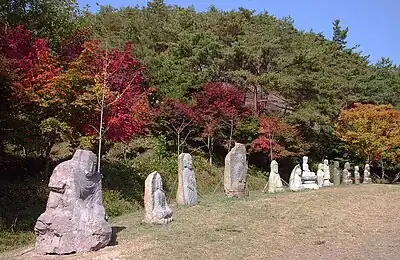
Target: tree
x,y
372,132
339,35
278,139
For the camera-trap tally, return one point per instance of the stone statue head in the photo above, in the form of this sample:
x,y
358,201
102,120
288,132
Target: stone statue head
x,y
347,166
336,164
305,159
298,170
157,182
367,167
326,162
356,168
320,166
87,160
274,166
187,161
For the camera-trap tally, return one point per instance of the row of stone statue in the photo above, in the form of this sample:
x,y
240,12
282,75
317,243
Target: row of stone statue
x,y
75,219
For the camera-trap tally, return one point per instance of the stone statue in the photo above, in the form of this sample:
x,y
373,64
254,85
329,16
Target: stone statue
x,y
187,192
235,172
327,174
320,175
295,183
74,220
367,174
274,180
336,173
356,175
156,207
346,178
308,177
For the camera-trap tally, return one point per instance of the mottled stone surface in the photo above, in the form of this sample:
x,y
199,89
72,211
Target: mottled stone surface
x,y
187,191
356,175
346,178
327,174
295,183
274,180
336,173
156,207
308,177
235,172
367,174
74,220
320,175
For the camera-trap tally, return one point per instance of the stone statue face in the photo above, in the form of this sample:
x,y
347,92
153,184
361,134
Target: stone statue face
x,y
158,182
187,161
336,164
367,167
91,170
326,162
298,171
274,167
356,168
305,159
347,166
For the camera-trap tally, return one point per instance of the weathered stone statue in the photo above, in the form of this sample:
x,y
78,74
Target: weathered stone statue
x,y
346,178
156,207
274,180
320,175
367,174
308,177
235,172
356,175
336,173
187,192
74,220
327,174
295,183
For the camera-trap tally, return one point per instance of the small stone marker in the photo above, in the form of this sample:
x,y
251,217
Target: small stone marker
x,y
327,174
367,174
346,178
320,175
235,172
156,207
187,191
274,180
295,183
356,175
336,173
74,220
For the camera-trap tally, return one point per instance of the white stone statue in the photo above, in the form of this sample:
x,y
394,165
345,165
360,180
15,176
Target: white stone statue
x,y
187,191
320,175
367,174
346,178
308,177
356,175
156,207
327,174
274,181
295,183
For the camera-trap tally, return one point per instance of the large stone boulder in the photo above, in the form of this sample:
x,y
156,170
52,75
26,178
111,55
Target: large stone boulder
x,y
75,219
235,172
187,191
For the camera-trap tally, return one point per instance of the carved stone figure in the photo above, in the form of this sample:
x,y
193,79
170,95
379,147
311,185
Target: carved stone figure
x,y
356,175
187,192
346,178
274,181
367,174
320,175
74,220
295,183
156,207
235,172
336,173
308,177
327,174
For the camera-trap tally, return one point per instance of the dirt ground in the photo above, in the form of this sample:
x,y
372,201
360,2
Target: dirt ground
x,y
356,222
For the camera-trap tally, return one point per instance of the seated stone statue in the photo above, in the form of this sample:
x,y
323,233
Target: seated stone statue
x,y
295,183
327,174
156,207
308,177
346,178
320,175
274,181
367,174
74,220
356,175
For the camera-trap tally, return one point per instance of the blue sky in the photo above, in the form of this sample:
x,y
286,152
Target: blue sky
x,y
374,24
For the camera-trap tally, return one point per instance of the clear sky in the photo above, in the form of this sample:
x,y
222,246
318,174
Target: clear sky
x,y
374,24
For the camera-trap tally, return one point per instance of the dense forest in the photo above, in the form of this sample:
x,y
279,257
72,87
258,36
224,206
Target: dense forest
x,y
139,85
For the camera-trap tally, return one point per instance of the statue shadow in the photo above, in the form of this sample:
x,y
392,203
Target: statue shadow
x,y
114,234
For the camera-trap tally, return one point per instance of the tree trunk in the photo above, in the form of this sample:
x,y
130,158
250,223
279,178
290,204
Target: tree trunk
x,y
179,142
383,169
255,101
100,131
210,148
230,136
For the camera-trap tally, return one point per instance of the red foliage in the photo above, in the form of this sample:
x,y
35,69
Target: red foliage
x,y
218,103
73,45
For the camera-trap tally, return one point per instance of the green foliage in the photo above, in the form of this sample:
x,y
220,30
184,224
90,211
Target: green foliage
x,y
115,204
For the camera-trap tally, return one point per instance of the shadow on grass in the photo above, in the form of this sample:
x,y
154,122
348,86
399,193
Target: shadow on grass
x,y
115,231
